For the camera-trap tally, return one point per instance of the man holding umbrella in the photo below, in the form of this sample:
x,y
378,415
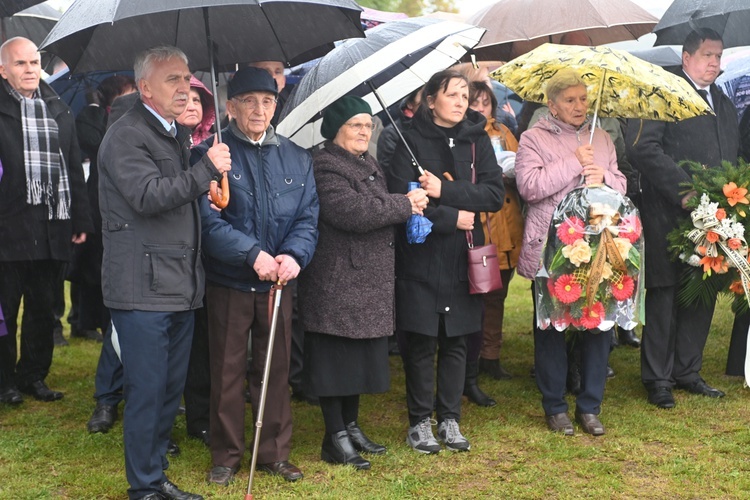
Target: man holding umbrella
x,y
674,335
267,233
152,275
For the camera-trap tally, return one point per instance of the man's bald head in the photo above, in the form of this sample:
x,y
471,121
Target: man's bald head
x,y
20,65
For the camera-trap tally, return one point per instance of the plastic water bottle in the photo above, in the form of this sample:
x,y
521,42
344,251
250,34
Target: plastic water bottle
x,y
413,185
497,146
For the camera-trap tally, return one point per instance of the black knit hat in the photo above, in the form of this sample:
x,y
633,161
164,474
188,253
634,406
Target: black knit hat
x,y
339,112
251,79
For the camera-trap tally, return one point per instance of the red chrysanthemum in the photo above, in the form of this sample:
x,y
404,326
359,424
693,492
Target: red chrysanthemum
x,y
592,316
571,230
623,289
630,228
567,290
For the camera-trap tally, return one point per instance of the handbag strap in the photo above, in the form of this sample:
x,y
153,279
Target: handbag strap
x,y
469,235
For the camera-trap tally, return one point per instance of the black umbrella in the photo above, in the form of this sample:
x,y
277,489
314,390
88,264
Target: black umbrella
x,y
10,7
729,18
72,88
108,34
33,23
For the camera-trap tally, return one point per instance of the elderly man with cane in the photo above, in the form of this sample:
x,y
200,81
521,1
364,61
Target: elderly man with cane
x,y
267,233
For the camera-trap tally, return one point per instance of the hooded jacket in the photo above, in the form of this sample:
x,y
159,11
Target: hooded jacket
x,y
432,277
273,207
547,169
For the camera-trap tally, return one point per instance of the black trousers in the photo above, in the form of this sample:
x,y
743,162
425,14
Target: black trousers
x,y
34,282
673,339
419,365
198,384
738,345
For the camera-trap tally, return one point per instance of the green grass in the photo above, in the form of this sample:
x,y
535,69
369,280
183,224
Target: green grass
x,y
697,450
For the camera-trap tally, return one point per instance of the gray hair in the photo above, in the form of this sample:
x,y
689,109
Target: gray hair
x,y
145,61
562,80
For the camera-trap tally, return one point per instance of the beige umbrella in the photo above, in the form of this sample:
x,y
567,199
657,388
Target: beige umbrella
x,y
515,27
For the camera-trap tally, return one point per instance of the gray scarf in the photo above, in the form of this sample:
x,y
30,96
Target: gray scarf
x,y
46,173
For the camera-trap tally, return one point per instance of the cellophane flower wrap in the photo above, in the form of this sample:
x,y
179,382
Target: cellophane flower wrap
x,y
712,241
591,274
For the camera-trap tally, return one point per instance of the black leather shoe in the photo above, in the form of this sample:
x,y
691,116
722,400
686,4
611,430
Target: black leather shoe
x,y
661,397
471,386
628,337
153,496
171,491
86,334
701,387
221,475
11,396
560,422
103,418
303,397
201,435
284,469
40,391
494,369
590,424
172,449
58,339
338,449
361,442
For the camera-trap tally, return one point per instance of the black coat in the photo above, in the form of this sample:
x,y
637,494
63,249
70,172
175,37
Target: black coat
x,y
25,232
656,153
431,278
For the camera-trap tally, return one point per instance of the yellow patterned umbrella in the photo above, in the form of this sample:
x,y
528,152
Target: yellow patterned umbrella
x,y
623,85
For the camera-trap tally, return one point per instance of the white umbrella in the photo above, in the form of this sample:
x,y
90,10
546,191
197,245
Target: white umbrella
x,y
395,58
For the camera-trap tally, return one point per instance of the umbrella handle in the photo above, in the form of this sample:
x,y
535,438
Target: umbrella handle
x,y
223,200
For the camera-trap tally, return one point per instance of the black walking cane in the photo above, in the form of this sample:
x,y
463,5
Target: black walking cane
x,y
275,297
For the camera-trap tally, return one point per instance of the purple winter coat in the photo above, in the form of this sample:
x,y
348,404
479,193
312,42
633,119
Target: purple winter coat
x,y
546,170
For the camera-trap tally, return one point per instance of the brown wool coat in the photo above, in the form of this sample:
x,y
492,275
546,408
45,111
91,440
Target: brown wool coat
x,y
347,289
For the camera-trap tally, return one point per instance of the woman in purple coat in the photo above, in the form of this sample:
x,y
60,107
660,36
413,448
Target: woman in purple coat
x,y
346,292
554,156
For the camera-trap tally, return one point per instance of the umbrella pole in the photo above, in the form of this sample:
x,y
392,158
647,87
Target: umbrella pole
x,y
276,291
598,105
398,130
213,73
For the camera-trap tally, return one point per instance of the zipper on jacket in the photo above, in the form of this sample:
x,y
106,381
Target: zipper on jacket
x,y
262,199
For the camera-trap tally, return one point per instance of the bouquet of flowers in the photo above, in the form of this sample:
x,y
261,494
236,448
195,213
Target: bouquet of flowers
x,y
591,276
712,241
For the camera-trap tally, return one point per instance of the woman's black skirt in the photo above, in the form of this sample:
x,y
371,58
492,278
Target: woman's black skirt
x,y
340,366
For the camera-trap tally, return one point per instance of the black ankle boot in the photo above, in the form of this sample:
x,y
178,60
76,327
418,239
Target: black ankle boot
x,y
472,390
362,443
338,449
494,369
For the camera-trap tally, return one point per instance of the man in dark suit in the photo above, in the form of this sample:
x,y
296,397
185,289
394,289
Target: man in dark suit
x,y
152,275
674,335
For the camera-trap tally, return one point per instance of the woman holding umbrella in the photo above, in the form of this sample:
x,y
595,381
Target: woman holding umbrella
x,y
434,309
554,156
346,292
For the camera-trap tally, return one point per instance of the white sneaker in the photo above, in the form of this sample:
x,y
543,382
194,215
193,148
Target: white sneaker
x,y
450,435
421,439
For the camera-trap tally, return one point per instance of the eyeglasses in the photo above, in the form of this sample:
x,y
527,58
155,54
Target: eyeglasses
x,y
252,103
357,127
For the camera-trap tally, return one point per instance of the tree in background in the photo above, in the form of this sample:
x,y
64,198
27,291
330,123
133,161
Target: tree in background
x,y
411,7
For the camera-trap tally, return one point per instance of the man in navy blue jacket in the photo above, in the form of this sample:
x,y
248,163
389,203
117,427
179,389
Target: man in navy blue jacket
x,y
266,234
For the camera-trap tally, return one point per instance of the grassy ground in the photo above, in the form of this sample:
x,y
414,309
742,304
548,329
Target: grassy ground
x,y
697,450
